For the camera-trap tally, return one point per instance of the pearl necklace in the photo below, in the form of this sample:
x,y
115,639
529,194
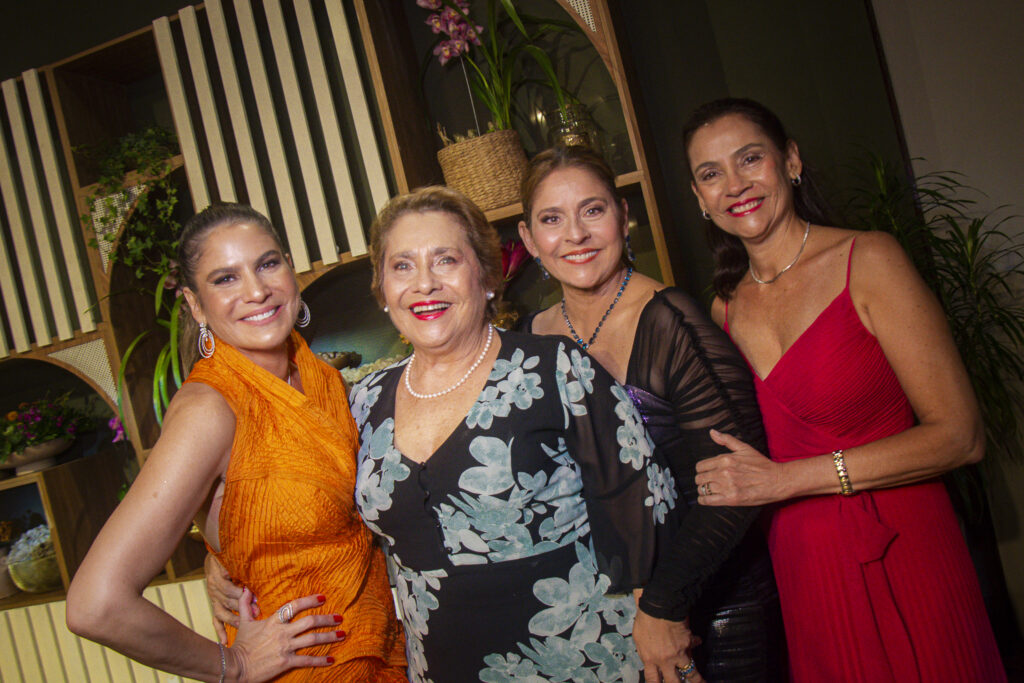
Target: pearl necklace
x,y
474,366
750,266
576,338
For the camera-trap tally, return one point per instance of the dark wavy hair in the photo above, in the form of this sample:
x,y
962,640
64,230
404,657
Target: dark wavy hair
x,y
731,260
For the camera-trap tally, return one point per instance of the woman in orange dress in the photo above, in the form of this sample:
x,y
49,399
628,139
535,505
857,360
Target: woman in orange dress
x,y
258,447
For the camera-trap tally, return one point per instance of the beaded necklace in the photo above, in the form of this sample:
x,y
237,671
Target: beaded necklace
x,y
587,344
476,363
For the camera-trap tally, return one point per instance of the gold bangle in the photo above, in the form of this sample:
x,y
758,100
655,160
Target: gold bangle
x,y
845,487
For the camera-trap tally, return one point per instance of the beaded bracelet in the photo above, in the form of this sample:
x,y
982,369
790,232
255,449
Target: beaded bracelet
x,y
844,479
223,662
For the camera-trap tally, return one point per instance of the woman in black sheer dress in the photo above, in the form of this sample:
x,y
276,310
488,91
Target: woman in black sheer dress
x,y
714,584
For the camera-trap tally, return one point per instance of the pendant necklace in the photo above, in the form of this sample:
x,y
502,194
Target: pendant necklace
x,y
750,266
576,338
476,363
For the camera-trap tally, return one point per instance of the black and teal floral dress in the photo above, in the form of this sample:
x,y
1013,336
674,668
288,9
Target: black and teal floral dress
x,y
516,545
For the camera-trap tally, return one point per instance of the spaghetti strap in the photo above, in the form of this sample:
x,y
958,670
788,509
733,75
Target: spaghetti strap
x,y
849,260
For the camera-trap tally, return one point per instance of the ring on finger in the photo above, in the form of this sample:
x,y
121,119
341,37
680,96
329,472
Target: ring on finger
x,y
685,671
285,613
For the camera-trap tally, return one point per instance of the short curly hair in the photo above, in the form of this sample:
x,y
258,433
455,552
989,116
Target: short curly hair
x,y
480,234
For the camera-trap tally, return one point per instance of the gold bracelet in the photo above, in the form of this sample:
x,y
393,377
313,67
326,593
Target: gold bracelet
x,y
845,487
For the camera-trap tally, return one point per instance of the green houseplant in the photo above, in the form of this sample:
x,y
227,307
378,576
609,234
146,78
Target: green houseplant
x,y
145,240
494,68
487,166
976,268
975,265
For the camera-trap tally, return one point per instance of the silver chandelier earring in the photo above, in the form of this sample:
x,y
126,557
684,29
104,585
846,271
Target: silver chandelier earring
x,y
543,270
207,344
303,319
705,215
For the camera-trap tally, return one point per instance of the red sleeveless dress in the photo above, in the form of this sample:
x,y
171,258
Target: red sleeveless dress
x,y
877,586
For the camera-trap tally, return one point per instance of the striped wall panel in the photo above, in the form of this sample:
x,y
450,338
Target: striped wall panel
x,y
287,69
36,646
44,266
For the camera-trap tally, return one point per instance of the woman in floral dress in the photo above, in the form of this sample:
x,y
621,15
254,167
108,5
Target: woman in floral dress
x,y
509,475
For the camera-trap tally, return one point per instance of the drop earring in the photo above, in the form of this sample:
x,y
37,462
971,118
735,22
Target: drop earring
x,y
543,271
303,318
630,256
207,344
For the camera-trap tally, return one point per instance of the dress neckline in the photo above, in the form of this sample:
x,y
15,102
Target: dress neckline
x,y
455,429
837,298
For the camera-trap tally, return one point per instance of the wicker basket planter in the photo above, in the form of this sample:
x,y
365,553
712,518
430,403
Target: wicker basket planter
x,y
487,169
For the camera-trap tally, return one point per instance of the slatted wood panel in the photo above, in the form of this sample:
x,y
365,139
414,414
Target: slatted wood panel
x,y
36,646
45,267
282,85
232,89
60,201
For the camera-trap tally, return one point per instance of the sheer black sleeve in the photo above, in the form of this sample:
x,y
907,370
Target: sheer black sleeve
x,y
629,496
687,378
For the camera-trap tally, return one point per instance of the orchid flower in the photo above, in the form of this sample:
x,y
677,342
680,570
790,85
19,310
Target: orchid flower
x,y
513,256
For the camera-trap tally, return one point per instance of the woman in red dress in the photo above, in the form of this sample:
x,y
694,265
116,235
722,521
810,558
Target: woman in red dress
x,y
865,403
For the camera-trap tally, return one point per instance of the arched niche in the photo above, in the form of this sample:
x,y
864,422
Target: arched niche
x,y
130,309
24,380
346,317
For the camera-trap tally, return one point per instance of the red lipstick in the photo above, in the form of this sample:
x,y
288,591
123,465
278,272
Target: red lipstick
x,y
429,310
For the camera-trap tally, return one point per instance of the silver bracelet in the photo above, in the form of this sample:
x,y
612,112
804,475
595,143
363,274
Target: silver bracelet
x,y
223,662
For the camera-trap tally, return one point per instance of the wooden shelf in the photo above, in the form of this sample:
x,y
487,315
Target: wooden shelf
x,y
21,599
76,497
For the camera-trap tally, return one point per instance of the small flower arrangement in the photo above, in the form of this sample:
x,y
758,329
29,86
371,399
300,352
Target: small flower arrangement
x,y
38,422
494,60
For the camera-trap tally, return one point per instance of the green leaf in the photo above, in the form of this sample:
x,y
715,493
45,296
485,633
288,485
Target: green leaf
x,y
121,372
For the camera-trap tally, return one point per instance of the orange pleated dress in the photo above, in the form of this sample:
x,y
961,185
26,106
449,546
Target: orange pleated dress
x,y
288,522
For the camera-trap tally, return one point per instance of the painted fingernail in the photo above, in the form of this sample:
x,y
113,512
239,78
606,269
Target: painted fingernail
x,y
337,618
340,634
330,660
320,598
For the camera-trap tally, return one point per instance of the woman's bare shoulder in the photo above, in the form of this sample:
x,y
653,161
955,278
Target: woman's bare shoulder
x,y
195,404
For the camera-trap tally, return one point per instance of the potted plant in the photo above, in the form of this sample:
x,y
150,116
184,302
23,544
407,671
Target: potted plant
x,y
32,436
144,239
487,164
976,268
